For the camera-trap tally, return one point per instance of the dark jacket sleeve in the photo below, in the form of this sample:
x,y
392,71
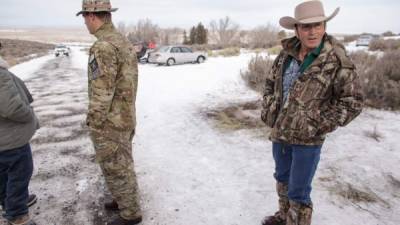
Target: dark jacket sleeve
x,y
347,102
13,106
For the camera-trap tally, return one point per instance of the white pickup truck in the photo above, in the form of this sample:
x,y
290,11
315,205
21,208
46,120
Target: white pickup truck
x,y
61,50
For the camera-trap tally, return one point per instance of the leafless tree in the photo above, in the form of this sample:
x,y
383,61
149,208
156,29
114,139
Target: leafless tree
x,y
169,36
224,32
264,36
144,30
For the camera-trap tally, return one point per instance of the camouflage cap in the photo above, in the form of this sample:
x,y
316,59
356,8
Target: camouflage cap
x,y
96,6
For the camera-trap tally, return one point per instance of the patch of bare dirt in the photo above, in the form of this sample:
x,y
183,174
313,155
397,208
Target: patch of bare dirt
x,y
18,51
237,116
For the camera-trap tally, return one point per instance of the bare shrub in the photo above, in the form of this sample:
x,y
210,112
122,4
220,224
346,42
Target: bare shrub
x,y
388,34
350,38
363,61
258,69
170,36
275,50
381,82
384,45
263,36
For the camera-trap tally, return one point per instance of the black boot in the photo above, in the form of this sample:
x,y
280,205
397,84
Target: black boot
x,y
122,221
32,199
274,220
112,206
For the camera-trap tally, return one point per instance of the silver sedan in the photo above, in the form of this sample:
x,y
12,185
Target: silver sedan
x,y
170,55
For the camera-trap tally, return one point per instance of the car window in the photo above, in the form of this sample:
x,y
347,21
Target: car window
x,y
175,50
163,49
186,50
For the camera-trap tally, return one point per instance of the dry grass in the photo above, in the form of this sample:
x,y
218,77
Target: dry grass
x,y
238,116
49,35
275,50
17,51
227,52
354,194
374,134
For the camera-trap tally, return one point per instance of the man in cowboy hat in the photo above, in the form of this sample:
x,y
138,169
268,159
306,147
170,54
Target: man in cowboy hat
x,y
113,77
313,89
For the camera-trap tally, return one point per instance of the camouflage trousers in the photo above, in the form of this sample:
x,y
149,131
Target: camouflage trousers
x,y
114,155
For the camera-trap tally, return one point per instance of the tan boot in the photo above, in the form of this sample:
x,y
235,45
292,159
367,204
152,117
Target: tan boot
x,y
299,214
280,217
22,220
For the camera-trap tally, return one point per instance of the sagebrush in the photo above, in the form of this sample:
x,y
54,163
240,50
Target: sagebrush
x,y
258,69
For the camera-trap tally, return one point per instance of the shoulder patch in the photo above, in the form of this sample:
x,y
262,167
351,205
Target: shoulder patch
x,y
94,67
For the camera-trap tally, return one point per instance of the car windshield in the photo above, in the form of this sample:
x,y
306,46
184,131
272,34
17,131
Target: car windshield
x,y
163,49
366,37
61,46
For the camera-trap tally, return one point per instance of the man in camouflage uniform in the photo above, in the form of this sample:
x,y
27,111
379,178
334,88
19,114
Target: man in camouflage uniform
x,y
313,89
113,77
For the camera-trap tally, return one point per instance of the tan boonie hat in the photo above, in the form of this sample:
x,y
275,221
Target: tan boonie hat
x,y
96,6
307,12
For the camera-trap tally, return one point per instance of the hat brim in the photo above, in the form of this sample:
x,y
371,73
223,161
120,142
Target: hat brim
x,y
290,22
83,11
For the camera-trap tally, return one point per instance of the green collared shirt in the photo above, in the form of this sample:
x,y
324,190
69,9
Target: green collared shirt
x,y
311,56
309,59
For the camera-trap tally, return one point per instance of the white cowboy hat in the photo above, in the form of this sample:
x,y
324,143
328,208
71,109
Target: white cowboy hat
x,y
307,12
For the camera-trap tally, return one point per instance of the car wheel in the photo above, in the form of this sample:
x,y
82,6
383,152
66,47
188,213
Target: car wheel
x,y
56,55
170,62
200,59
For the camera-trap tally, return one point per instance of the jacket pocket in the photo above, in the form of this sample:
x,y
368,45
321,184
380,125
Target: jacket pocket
x,y
269,113
301,127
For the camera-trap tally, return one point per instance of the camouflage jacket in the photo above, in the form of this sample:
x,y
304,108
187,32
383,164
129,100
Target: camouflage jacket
x,y
113,78
326,95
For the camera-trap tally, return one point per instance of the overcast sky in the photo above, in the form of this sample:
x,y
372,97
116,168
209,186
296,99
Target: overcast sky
x,y
355,16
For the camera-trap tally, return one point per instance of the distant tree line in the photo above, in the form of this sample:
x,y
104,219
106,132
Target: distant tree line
x,y
219,33
198,35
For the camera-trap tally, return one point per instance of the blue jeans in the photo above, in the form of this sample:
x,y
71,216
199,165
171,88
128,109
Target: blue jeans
x,y
16,168
295,165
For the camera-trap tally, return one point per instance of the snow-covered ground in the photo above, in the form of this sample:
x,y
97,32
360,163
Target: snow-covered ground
x,y
189,172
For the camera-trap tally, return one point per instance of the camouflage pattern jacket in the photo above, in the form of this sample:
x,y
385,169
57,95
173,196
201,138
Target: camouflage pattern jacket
x,y
326,95
113,78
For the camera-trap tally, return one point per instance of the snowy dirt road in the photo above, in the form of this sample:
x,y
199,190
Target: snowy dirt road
x,y
189,172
